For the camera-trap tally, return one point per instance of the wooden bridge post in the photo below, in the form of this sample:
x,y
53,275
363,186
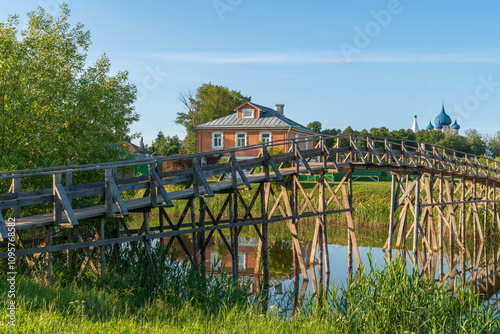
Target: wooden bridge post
x,y
416,218
102,236
201,238
15,189
348,201
394,200
264,200
68,181
233,218
462,212
441,207
475,210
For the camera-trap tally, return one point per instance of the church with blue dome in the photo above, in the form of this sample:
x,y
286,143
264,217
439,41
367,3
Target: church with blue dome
x,y
443,123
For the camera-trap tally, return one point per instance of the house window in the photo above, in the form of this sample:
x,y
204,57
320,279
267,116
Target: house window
x,y
307,143
242,261
265,137
247,113
217,140
241,139
297,137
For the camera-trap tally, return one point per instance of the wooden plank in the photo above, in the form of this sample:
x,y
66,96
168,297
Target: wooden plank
x,y
240,170
162,190
3,228
359,151
202,178
116,194
373,150
61,194
273,165
304,160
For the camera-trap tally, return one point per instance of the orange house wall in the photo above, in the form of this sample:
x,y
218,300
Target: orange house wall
x,y
253,138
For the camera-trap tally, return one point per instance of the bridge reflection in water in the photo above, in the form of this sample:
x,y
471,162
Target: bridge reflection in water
x,y
478,265
438,196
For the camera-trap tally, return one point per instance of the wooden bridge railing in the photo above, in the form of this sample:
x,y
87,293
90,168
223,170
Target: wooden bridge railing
x,y
56,186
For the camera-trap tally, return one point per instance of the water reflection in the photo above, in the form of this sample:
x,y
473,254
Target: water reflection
x,y
478,264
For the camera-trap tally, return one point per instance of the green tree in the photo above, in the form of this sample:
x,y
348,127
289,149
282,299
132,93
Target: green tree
x,y
314,126
476,142
494,145
210,102
53,110
166,146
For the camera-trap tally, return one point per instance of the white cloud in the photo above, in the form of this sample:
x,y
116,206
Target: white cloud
x,y
305,58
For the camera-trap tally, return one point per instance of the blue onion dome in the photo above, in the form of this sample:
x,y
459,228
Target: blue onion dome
x,y
438,126
430,126
455,126
443,118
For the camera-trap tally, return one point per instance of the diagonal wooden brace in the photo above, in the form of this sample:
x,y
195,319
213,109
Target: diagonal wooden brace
x,y
61,194
273,165
161,188
202,178
304,160
240,170
112,187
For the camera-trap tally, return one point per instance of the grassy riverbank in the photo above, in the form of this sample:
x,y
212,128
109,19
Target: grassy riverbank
x,y
127,300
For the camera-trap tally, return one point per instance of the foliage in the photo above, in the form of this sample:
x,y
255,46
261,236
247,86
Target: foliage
x,y
471,143
386,300
210,102
53,110
314,126
166,146
494,145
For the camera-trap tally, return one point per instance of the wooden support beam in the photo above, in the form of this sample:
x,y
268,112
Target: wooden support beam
x,y
240,170
202,178
304,160
4,233
64,201
275,168
162,190
111,185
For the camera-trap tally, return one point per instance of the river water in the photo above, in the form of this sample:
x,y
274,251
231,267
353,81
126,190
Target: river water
x,y
480,261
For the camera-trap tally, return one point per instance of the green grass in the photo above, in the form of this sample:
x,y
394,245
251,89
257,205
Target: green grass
x,y
129,300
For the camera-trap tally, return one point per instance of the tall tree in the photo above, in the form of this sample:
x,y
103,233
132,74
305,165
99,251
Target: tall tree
x,y
494,145
314,126
476,142
210,102
166,146
53,110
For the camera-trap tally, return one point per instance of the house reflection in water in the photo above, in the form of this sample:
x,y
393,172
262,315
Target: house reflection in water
x,y
217,257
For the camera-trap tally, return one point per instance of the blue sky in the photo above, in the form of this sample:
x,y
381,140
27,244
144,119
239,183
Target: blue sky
x,y
359,63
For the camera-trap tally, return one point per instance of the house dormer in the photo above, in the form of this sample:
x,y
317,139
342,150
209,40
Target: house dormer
x,y
251,110
248,110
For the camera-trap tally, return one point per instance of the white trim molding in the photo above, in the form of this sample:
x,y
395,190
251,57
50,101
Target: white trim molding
x,y
248,110
270,137
237,137
217,140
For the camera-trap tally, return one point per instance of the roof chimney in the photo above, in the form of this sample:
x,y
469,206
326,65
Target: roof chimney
x,y
280,108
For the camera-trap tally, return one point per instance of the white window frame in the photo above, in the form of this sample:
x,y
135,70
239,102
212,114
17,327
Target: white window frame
x,y
296,137
236,139
242,261
221,140
307,143
252,111
266,133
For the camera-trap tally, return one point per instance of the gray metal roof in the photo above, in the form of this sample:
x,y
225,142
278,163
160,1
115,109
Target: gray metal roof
x,y
270,118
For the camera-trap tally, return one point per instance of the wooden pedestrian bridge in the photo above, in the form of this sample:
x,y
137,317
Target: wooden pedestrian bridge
x,y
436,195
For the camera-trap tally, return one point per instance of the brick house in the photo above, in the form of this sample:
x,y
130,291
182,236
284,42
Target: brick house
x,y
251,124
